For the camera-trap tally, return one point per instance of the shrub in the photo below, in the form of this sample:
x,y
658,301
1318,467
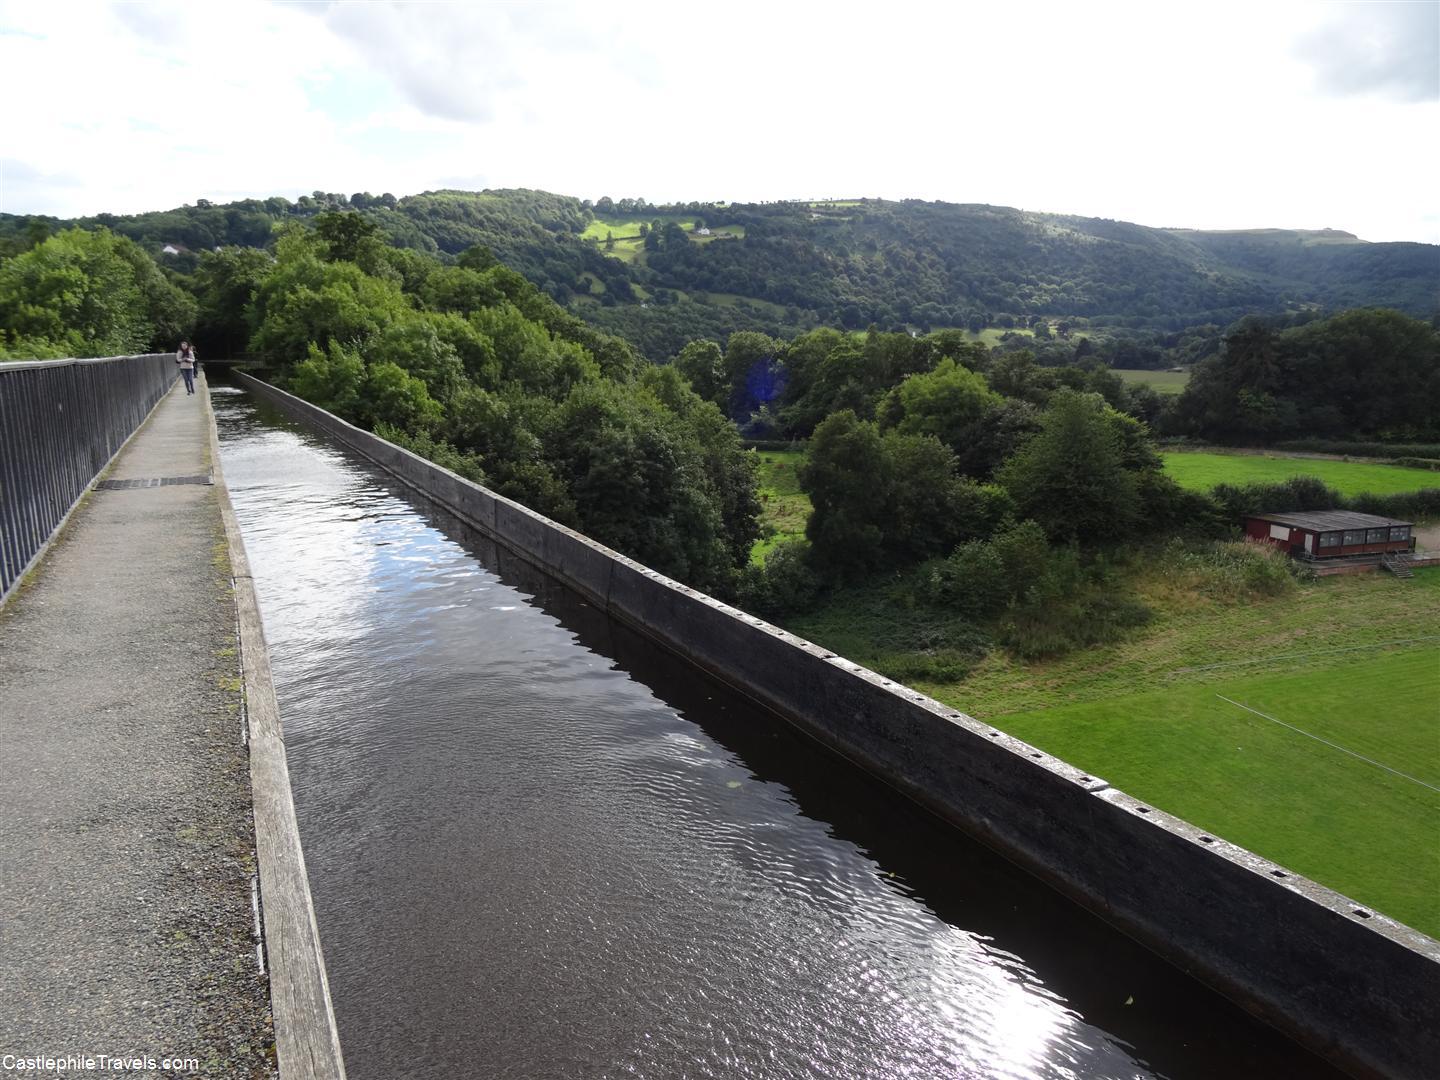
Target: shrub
x,y
441,453
1296,493
1026,557
1399,504
1361,449
1061,622
1234,501
1170,509
938,663
971,580
981,577
1049,601
784,585
1231,571
764,445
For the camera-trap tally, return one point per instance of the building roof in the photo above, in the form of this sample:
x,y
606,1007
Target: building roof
x,y
1322,520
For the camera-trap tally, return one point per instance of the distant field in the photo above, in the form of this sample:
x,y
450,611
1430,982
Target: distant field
x,y
1201,472
717,232
994,335
631,249
784,507
630,245
1164,382
628,225
724,299
991,335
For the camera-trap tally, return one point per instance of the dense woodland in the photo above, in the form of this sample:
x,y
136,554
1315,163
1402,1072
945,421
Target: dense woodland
x,y
1002,477
783,268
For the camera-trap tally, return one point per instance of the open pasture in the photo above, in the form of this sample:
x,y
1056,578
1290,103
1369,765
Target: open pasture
x,y
784,507
1202,471
1333,773
1162,382
629,245
1354,661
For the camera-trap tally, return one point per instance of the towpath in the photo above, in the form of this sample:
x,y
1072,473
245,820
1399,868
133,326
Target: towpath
x,y
127,852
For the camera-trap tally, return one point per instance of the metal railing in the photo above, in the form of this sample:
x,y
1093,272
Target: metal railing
x,y
61,421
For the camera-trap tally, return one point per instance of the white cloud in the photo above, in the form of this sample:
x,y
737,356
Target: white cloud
x,y
1206,116
1389,49
470,62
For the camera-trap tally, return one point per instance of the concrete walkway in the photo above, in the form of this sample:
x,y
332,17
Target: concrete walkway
x,y
127,847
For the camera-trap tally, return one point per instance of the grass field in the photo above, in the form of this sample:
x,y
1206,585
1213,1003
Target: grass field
x,y
1355,660
1363,822
784,507
717,232
1202,471
1351,660
628,226
1164,382
630,245
726,299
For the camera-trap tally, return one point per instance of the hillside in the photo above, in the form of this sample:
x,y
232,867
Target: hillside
x,y
650,273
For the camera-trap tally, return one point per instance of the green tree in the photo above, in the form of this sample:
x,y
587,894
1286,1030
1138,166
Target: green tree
x,y
351,237
414,345
1365,372
928,505
638,484
730,473
846,475
305,300
332,378
391,395
1071,476
838,382
225,283
948,402
88,293
810,388
703,364
754,371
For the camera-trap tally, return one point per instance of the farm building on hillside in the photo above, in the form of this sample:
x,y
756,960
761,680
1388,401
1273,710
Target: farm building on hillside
x,y
1323,534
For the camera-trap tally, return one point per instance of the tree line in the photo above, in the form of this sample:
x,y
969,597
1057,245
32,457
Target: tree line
x,y
466,363
1009,477
903,266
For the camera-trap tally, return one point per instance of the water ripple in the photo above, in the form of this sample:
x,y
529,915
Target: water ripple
x,y
526,862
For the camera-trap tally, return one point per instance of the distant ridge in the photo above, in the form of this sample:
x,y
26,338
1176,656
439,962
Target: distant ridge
x,y
784,266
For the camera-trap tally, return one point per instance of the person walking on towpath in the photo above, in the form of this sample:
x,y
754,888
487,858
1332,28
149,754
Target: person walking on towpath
x,y
185,357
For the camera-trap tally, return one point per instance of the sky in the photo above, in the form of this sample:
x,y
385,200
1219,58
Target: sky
x,y
1267,113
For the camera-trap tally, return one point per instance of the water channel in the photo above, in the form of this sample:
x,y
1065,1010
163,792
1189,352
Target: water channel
x,y
540,847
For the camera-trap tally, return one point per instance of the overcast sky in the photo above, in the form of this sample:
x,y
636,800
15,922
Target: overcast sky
x,y
1294,113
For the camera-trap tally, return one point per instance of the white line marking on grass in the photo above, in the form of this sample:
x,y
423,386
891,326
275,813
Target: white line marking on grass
x,y
1301,655
1327,742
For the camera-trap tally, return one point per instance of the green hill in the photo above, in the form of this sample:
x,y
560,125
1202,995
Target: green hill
x,y
648,272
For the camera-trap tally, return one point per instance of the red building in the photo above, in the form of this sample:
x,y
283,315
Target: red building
x,y
1323,534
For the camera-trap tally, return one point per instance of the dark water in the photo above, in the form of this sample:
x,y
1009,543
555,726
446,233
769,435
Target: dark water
x,y
540,848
